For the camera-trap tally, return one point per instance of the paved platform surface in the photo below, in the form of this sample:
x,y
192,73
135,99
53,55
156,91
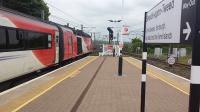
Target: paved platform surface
x,y
92,85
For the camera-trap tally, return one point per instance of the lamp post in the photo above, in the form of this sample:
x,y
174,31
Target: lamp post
x,y
120,60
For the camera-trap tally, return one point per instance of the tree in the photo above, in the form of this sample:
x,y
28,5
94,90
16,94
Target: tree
x,y
133,46
30,7
136,42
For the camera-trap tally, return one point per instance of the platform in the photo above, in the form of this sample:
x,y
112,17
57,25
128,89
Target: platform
x,y
91,85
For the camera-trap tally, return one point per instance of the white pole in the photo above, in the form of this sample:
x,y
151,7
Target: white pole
x,y
103,49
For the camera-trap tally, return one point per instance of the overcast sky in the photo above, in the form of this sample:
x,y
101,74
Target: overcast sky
x,y
95,13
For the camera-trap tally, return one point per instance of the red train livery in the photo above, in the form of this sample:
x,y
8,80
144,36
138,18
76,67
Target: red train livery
x,y
28,45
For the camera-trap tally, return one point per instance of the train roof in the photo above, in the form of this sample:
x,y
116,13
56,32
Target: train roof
x,y
11,18
23,14
81,33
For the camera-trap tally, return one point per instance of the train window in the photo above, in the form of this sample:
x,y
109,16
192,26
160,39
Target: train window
x,y
2,38
17,39
38,40
20,35
49,41
14,42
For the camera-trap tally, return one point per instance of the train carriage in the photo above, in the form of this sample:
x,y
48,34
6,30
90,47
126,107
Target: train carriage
x,y
28,45
70,44
85,42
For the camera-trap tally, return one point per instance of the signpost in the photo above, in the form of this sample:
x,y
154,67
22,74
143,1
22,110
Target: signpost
x,y
171,60
175,21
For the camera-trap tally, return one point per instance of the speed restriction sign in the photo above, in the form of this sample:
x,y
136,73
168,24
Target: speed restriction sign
x,y
171,60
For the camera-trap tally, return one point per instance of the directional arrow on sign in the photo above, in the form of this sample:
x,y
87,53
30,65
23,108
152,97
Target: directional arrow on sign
x,y
187,31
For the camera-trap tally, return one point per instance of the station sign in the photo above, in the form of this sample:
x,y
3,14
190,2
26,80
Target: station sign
x,y
171,21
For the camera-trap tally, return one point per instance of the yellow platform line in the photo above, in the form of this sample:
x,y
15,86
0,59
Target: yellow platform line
x,y
76,73
159,76
168,82
49,88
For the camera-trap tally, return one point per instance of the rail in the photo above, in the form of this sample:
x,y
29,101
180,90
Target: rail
x,y
139,56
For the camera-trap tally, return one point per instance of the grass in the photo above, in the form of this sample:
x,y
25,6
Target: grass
x,y
184,60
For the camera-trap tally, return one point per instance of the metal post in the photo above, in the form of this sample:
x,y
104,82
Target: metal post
x,y
195,78
113,52
144,66
170,52
171,49
118,38
195,69
103,49
94,40
120,64
82,27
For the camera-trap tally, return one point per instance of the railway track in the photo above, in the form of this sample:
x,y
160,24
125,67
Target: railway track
x,y
176,64
180,69
138,56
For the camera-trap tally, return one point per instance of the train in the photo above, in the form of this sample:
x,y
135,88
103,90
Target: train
x,y
28,44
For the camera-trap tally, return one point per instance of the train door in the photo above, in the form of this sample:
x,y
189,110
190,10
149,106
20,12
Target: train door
x,y
79,45
70,41
57,47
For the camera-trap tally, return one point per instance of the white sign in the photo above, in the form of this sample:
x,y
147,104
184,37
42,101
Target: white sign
x,y
163,22
187,31
125,30
171,60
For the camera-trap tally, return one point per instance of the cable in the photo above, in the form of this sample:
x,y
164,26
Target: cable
x,y
137,30
69,15
64,20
